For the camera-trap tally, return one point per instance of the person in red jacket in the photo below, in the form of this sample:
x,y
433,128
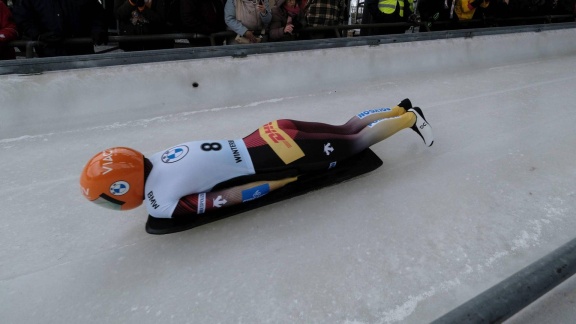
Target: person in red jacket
x,y
8,33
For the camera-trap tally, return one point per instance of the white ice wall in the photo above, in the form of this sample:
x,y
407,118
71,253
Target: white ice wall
x,y
167,87
406,243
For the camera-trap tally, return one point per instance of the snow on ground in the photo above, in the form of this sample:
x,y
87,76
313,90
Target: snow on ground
x,y
427,231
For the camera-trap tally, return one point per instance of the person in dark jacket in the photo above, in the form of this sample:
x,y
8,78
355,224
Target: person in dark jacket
x,y
52,22
8,33
202,17
285,20
144,17
325,13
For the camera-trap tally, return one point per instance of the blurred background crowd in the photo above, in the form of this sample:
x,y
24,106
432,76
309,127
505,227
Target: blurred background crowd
x,y
74,27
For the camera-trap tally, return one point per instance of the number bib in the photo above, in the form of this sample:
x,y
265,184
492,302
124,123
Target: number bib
x,y
193,167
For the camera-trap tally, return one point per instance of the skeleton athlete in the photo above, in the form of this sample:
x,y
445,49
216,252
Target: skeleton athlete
x,y
200,176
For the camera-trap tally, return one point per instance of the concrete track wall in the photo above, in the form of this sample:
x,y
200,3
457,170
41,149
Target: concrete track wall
x,y
228,81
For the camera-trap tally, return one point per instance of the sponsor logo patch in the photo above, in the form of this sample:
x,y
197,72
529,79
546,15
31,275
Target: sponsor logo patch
x,y
175,154
284,146
219,202
255,192
119,188
201,203
369,112
328,149
107,165
153,202
372,124
235,151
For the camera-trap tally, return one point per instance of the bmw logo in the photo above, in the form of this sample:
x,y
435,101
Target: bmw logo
x,y
175,154
119,188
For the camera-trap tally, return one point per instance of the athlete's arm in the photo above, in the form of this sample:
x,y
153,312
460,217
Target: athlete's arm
x,y
208,201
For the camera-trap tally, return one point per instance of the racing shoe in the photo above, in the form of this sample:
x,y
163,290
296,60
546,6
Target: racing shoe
x,y
406,104
422,127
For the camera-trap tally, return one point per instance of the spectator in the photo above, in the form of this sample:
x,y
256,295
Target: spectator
x,y
52,22
526,8
202,17
325,13
143,17
248,19
431,11
8,33
390,11
465,9
285,21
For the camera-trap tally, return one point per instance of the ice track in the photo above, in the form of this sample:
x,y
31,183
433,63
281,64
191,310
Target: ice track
x,y
430,229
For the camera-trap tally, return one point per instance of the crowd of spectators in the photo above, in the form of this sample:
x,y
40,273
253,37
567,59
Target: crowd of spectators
x,y
457,14
57,25
53,22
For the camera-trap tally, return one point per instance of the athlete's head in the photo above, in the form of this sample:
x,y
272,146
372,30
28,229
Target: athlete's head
x,y
114,178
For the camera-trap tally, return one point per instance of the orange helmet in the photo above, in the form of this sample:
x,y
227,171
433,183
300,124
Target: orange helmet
x,y
114,178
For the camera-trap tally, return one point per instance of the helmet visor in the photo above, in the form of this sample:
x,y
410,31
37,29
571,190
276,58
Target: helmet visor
x,y
108,202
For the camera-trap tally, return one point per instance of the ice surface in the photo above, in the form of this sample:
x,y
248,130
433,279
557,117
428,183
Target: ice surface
x,y
430,229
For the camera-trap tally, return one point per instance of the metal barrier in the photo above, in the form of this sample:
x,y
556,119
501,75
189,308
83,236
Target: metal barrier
x,y
548,19
45,64
29,45
518,291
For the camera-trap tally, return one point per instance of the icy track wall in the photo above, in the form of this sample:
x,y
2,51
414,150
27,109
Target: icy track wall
x,y
494,193
193,85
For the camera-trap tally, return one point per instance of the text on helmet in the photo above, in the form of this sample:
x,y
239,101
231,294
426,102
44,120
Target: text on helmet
x,y
108,158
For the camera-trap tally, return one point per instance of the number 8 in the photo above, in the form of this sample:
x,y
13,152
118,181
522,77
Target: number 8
x,y
207,147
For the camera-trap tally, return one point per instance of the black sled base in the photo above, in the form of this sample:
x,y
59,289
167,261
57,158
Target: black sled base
x,y
362,163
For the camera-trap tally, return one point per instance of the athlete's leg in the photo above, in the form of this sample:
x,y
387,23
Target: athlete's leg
x,y
352,126
363,119
371,134
380,130
323,150
281,145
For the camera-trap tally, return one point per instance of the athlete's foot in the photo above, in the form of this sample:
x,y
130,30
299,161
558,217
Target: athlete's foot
x,y
422,127
406,104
